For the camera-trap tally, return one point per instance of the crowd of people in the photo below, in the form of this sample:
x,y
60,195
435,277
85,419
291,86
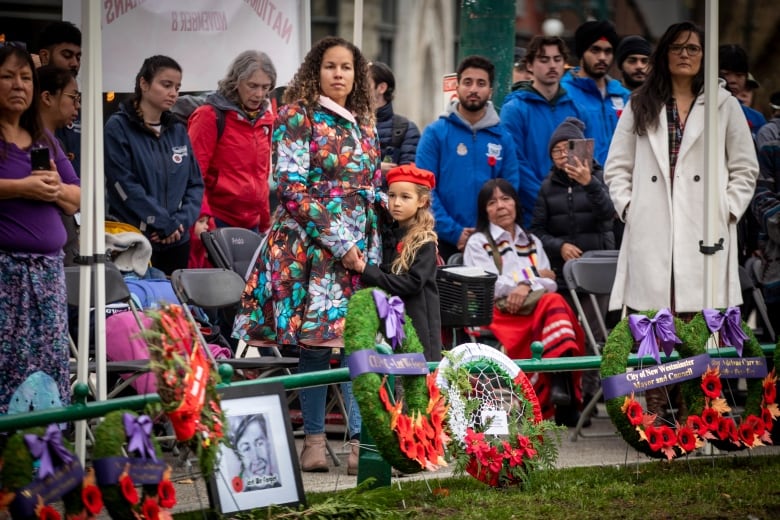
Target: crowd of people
x,y
366,199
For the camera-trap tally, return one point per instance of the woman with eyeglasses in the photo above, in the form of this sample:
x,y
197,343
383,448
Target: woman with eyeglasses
x,y
60,102
37,184
655,173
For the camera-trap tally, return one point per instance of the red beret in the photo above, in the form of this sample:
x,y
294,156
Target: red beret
x,y
411,173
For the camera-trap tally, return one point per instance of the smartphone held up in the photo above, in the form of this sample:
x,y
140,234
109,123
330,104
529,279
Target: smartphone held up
x,y
581,149
39,157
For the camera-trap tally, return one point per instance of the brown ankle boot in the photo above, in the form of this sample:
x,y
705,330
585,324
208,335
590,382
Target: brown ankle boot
x,y
314,454
354,455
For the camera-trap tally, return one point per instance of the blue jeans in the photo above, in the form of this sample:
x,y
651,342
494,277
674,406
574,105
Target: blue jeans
x,y
313,400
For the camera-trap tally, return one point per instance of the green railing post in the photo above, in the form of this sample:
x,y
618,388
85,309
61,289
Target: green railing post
x,y
487,28
370,463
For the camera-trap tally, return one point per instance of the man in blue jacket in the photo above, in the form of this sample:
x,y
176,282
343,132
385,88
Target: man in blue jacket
x,y
601,97
464,148
533,112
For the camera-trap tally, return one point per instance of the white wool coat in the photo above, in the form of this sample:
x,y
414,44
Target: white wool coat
x,y
664,225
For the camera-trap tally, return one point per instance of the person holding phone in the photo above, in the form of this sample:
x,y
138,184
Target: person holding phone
x,y
37,184
574,214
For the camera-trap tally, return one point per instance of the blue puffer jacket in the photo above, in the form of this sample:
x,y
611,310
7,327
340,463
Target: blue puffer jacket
x,y
460,156
532,119
405,153
153,182
603,112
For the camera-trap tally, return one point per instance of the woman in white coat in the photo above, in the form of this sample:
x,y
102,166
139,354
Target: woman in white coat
x,y
655,173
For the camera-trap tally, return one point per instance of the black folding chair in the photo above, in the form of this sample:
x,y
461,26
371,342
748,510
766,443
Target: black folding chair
x,y
116,294
217,289
232,248
592,276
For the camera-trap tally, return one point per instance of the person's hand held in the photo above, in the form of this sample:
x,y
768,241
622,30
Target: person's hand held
x,y
570,251
464,237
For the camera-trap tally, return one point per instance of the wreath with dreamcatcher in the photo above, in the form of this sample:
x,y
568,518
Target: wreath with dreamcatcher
x,y
494,417
709,416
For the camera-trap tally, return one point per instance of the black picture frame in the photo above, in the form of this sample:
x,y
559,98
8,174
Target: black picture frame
x,y
260,468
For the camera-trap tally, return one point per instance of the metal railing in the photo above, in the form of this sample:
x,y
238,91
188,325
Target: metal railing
x,y
81,409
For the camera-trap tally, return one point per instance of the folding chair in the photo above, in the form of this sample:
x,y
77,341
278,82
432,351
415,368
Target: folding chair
x,y
217,289
749,277
594,276
117,294
232,248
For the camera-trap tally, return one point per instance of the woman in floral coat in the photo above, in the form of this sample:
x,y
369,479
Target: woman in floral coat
x,y
328,176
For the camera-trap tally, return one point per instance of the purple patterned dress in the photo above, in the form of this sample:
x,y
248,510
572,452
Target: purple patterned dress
x,y
328,178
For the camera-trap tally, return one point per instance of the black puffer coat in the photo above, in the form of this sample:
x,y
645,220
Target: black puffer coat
x,y
405,153
566,211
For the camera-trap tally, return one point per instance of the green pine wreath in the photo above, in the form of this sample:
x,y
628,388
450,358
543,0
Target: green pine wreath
x,y
360,331
614,361
110,441
694,336
698,334
19,468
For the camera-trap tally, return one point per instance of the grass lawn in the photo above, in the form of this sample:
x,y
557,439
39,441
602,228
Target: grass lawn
x,y
720,487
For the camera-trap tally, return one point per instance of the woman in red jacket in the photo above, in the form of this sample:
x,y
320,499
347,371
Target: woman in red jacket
x,y
231,138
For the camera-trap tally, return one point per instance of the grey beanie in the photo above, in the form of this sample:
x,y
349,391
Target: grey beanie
x,y
570,128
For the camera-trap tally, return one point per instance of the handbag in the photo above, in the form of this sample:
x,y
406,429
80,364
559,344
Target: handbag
x,y
529,305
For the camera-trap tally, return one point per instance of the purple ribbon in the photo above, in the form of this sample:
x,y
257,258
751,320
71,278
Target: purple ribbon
x,y
139,431
650,332
729,324
392,311
45,449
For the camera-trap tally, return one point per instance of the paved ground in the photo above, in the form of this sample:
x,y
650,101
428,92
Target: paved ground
x,y
601,447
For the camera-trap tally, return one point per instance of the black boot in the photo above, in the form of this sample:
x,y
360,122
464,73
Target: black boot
x,y
559,390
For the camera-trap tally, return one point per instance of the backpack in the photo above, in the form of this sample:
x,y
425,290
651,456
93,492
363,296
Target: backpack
x,y
186,105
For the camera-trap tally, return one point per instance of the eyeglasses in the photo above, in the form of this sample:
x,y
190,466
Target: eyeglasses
x,y
691,49
76,97
559,152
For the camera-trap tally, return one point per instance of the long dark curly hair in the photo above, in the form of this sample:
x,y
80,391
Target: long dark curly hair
x,y
648,99
305,85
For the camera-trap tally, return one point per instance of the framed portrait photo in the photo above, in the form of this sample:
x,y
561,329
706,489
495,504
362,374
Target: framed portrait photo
x,y
260,466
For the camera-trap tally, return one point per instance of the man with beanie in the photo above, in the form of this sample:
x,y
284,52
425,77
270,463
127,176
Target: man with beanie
x,y
573,214
594,92
733,69
464,148
532,113
633,55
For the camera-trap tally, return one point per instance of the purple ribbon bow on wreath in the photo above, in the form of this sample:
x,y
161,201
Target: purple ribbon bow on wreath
x,y
139,431
729,324
391,310
45,449
652,331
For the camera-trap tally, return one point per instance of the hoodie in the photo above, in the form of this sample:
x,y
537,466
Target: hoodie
x,y
463,157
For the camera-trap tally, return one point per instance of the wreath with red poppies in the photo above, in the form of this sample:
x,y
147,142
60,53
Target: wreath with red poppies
x,y
38,463
409,433
484,387
124,432
709,415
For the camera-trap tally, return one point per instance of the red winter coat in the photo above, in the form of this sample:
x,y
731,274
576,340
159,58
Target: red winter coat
x,y
236,166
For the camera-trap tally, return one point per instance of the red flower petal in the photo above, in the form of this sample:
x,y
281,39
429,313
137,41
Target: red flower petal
x,y
166,493
150,509
92,498
128,489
